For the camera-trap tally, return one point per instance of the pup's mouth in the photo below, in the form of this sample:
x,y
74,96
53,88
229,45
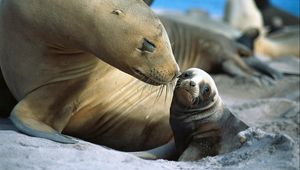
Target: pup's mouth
x,y
146,78
190,95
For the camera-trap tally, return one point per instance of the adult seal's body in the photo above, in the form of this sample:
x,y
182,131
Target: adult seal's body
x,y
72,91
194,46
201,124
54,56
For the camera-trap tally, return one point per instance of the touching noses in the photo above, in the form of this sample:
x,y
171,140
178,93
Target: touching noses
x,y
177,74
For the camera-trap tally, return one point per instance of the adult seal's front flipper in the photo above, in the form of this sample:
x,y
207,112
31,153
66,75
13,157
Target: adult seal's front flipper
x,y
28,124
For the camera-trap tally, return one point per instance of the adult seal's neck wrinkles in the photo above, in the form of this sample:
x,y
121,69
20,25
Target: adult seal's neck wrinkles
x,y
177,34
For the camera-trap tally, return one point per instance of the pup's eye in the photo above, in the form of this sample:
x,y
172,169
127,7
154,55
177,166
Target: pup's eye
x,y
206,90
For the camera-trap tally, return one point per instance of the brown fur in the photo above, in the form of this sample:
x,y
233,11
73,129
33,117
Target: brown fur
x,y
203,126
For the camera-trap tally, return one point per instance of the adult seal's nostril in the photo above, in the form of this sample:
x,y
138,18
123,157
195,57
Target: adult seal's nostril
x,y
192,83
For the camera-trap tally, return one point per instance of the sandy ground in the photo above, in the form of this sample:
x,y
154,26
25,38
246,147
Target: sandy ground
x,y
271,109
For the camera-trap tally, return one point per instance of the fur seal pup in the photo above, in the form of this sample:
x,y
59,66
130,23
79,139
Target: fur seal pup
x,y
54,57
201,124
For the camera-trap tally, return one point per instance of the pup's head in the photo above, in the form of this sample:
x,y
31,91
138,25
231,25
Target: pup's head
x,y
196,89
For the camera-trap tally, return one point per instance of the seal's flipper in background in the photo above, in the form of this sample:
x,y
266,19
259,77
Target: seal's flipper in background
x,y
253,62
263,68
248,38
243,64
167,151
239,68
28,124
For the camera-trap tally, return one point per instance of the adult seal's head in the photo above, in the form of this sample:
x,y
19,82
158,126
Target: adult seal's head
x,y
53,45
201,124
137,42
125,34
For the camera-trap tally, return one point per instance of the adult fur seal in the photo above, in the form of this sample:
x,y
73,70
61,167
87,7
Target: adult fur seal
x,y
243,14
53,67
286,42
201,124
194,46
282,43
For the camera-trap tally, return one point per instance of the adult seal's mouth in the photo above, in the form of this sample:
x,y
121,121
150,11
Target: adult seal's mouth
x,y
148,79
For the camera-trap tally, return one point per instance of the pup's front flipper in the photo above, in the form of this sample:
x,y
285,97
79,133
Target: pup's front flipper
x,y
191,153
167,151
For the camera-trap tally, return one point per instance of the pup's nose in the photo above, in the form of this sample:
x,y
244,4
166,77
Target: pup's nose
x,y
192,83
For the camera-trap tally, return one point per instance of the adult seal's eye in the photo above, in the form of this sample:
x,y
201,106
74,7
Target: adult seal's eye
x,y
147,46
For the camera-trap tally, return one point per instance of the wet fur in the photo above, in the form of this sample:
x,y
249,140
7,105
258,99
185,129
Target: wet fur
x,y
203,132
